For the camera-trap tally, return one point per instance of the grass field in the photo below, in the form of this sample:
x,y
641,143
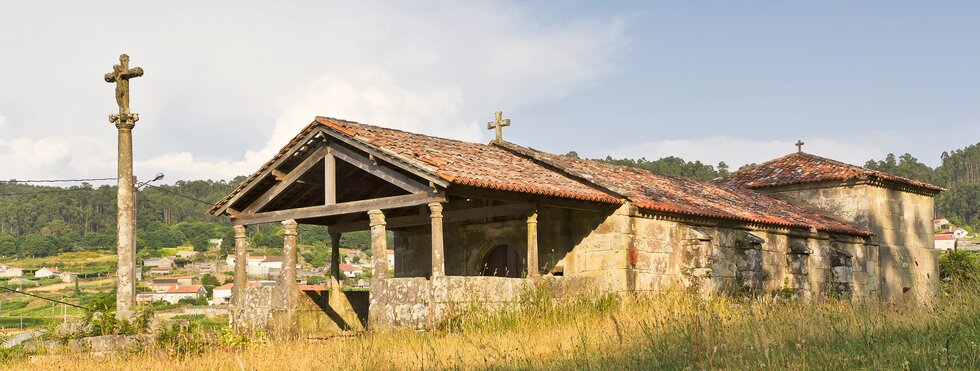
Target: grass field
x,y
82,262
665,331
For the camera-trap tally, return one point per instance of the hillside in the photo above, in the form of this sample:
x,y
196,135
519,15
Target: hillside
x,y
959,173
39,221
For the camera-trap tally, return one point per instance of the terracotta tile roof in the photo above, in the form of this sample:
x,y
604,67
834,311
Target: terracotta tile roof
x,y
944,236
508,167
471,164
348,267
648,190
458,162
803,168
183,289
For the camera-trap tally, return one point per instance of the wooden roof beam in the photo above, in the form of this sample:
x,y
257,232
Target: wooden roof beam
x,y
363,206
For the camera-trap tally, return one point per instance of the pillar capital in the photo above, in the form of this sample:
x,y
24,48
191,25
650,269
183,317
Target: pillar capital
x,y
289,227
377,217
533,218
239,231
435,209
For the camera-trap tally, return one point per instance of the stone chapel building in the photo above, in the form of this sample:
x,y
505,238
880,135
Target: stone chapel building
x,y
476,222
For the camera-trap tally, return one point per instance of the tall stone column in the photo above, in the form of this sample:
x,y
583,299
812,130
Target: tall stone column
x,y
125,222
286,297
335,256
287,277
532,246
241,260
126,193
379,244
438,248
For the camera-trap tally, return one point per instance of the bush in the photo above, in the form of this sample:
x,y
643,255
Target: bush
x,y
959,265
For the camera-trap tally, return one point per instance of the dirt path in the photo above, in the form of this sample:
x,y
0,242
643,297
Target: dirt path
x,y
64,285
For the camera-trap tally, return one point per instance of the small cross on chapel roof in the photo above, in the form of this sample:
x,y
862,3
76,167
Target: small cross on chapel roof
x,y
498,123
799,145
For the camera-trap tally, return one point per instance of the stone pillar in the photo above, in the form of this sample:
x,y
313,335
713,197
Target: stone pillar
x,y
335,257
241,260
287,278
125,222
532,246
438,253
379,245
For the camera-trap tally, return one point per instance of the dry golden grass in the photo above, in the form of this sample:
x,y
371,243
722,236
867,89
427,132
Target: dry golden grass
x,y
664,331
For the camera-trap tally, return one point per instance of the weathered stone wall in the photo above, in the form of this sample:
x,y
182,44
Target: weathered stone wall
x,y
570,243
419,302
905,258
617,251
256,311
717,259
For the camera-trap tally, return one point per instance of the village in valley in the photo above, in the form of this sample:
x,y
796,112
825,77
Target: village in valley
x,y
188,284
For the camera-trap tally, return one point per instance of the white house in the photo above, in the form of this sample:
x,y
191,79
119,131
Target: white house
x,y
222,294
173,294
46,272
164,261
252,260
157,271
160,284
272,262
945,241
8,271
351,270
68,277
391,258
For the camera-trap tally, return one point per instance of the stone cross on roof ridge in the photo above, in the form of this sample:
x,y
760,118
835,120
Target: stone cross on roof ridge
x,y
498,123
799,145
121,73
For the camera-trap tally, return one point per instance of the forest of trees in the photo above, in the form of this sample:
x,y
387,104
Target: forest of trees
x,y
40,220
959,173
43,220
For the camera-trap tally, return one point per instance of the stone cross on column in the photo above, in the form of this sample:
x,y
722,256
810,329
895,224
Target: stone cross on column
x,y
799,145
126,193
120,75
498,123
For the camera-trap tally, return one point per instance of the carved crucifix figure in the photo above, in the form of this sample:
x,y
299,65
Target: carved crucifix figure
x,y
498,123
121,73
799,145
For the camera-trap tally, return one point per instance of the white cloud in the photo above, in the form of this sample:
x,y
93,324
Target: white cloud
x,y
438,73
740,151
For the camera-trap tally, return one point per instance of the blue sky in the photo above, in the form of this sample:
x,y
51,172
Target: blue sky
x,y
228,83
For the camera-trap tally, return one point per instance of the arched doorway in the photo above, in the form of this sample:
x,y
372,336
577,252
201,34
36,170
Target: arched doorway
x,y
503,261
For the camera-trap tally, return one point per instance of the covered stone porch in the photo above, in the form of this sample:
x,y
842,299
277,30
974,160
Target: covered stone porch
x,y
340,184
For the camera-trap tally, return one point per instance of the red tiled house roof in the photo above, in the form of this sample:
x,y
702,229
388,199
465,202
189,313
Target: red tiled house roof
x,y
651,191
804,168
508,167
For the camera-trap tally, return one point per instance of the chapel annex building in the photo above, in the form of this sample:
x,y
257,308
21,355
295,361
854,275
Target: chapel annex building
x,y
474,223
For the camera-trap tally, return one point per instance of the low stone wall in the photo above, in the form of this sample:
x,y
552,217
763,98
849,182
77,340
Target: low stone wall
x,y
420,302
256,314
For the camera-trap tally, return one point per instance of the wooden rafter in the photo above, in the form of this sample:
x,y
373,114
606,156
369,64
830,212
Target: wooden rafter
x,y
386,174
448,216
273,166
362,206
286,181
387,157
